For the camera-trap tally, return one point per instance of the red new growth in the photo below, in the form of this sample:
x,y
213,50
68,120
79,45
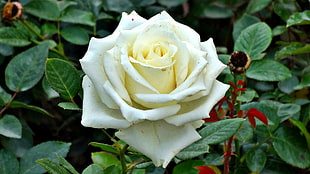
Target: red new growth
x,y
205,170
252,113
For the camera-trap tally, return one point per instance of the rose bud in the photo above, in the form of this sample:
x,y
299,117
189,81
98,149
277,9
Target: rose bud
x,y
239,62
11,11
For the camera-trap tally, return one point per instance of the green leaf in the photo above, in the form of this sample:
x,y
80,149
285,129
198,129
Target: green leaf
x,y
286,111
75,34
105,159
293,48
291,147
45,9
244,22
278,30
5,50
287,86
268,70
69,106
14,37
188,167
19,146
26,69
44,150
196,149
220,131
49,91
245,133
255,6
285,8
51,166
93,168
171,3
65,4
4,97
247,96
301,18
118,5
105,147
10,127
8,163
63,162
256,160
305,82
77,16
254,39
17,104
303,129
48,29
212,11
63,77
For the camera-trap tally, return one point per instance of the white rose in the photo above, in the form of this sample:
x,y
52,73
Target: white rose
x,y
154,81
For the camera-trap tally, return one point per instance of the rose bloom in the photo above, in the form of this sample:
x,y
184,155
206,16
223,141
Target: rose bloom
x,y
154,81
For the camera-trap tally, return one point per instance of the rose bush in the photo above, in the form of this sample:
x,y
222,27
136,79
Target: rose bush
x,y
154,81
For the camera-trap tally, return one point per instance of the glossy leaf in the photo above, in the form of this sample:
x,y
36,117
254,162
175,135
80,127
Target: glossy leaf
x,y
285,8
14,37
69,106
4,97
268,70
93,168
63,77
245,133
193,150
105,159
247,96
293,48
254,40
303,130
77,16
8,163
188,167
45,9
104,147
305,82
26,69
278,30
171,3
255,6
287,86
51,166
44,150
118,5
19,146
220,131
17,104
289,110
244,22
75,35
291,147
256,160
10,126
212,11
63,162
301,18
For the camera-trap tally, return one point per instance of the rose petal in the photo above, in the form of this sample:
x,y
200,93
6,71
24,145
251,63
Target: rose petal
x,y
115,74
199,109
129,21
183,32
92,65
134,115
157,100
159,140
95,113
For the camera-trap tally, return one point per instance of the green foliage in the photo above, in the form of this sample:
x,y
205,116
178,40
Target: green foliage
x,y
10,126
8,163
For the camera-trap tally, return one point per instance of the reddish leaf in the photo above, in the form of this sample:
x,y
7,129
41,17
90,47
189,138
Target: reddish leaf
x,y
230,106
256,113
232,84
241,89
252,120
213,117
241,113
205,170
240,82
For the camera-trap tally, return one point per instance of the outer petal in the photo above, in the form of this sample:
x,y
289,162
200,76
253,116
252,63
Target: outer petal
x,y
135,115
159,140
199,109
92,65
96,114
129,21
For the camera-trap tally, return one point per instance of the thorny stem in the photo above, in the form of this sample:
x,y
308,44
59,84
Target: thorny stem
x,y
8,104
